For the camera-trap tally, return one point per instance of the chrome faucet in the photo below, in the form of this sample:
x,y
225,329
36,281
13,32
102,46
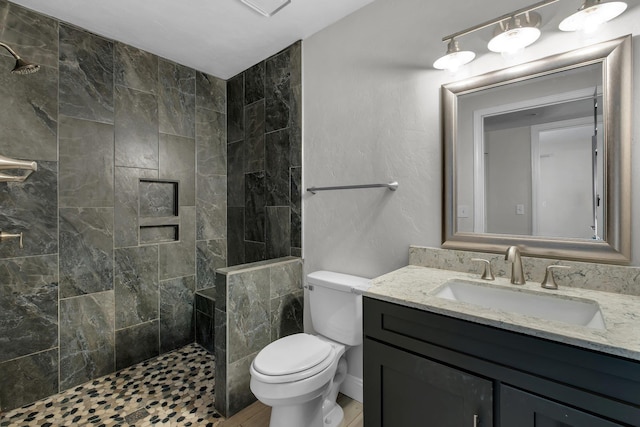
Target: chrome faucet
x,y
517,273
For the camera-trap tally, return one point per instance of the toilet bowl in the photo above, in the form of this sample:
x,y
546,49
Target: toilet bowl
x,y
300,375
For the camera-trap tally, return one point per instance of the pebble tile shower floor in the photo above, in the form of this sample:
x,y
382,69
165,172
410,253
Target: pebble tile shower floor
x,y
175,389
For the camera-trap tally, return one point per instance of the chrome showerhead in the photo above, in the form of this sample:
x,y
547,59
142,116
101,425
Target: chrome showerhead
x,y
22,66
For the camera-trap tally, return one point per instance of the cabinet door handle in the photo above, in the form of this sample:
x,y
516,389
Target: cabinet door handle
x,y
476,421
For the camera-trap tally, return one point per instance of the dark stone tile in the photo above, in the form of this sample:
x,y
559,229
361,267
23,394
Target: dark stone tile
x,y
86,251
254,79
285,279
205,332
287,315
296,252
254,251
254,137
235,175
235,236
126,203
178,162
205,301
296,207
159,234
135,68
176,99
33,35
179,259
211,207
277,91
295,126
136,344
86,163
158,199
136,128
28,305
220,353
254,190
86,338
30,208
277,166
86,75
136,285
221,292
177,314
210,255
211,142
235,108
28,379
278,232
29,118
211,92
238,379
295,63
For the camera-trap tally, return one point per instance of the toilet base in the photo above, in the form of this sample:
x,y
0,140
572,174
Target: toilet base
x,y
308,414
334,417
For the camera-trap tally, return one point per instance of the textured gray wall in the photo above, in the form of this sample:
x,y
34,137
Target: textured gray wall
x,y
84,298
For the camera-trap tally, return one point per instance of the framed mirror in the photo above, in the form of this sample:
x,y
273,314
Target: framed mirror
x,y
538,156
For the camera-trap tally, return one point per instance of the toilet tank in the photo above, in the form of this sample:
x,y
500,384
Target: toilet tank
x,y
335,302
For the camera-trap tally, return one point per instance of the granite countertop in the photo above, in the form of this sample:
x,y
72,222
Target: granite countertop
x,y
414,286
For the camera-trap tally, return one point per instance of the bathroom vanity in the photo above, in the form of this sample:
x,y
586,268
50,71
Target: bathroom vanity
x,y
431,361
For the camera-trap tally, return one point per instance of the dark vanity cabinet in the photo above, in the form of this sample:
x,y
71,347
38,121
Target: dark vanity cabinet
x,y
426,369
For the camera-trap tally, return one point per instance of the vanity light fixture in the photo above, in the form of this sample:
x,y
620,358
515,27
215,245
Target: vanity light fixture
x,y
454,58
515,33
591,14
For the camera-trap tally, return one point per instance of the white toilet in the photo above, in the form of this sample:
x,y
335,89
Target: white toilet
x,y
299,376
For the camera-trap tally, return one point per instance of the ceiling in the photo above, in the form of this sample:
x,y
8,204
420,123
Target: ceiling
x,y
219,37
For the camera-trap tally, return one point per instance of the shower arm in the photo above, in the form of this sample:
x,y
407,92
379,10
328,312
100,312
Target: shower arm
x,y
11,51
12,164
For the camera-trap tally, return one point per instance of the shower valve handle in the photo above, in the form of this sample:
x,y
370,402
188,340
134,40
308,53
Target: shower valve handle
x,y
7,236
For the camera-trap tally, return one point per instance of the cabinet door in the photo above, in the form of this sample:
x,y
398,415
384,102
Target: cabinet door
x,y
405,390
522,409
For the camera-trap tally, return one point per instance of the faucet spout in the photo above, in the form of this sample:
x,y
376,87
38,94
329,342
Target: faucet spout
x,y
517,272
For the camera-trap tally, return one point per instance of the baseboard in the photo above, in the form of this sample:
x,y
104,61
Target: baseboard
x,y
352,387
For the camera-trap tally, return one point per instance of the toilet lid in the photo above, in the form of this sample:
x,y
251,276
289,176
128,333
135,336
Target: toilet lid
x,y
288,355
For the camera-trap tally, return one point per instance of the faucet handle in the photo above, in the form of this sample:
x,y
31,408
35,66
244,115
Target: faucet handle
x,y
487,274
5,236
549,281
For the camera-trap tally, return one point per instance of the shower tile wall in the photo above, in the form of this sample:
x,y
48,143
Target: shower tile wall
x,y
84,298
264,159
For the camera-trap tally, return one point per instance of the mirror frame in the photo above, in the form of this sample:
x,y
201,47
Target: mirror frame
x,y
616,58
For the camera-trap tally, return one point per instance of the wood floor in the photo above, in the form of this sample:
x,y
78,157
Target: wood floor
x,y
257,415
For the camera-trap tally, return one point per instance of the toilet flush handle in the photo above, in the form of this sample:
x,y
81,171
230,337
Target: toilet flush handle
x,y
309,287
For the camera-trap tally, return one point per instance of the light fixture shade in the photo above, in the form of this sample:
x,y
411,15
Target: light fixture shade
x,y
454,58
592,14
515,34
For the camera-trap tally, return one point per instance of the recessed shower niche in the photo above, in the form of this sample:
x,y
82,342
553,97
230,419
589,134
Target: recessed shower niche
x,y
159,219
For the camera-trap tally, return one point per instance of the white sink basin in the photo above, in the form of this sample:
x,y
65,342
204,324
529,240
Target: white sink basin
x,y
551,307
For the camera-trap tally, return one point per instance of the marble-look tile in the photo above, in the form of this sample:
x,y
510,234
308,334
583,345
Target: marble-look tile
x,y
296,207
136,128
126,203
86,163
254,222
254,81
211,92
158,198
29,119
210,255
205,332
206,301
235,108
295,125
86,338
159,234
28,305
277,168
295,63
285,278
211,207
277,91
135,68
86,251
220,353
177,314
211,142
33,35
254,251
287,315
30,207
176,99
136,285
278,231
238,379
179,259
137,343
86,75
235,236
28,379
221,292
248,311
297,252
254,142
178,162
235,174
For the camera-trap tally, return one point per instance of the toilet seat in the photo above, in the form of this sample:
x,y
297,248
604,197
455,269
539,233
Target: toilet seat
x,y
293,358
